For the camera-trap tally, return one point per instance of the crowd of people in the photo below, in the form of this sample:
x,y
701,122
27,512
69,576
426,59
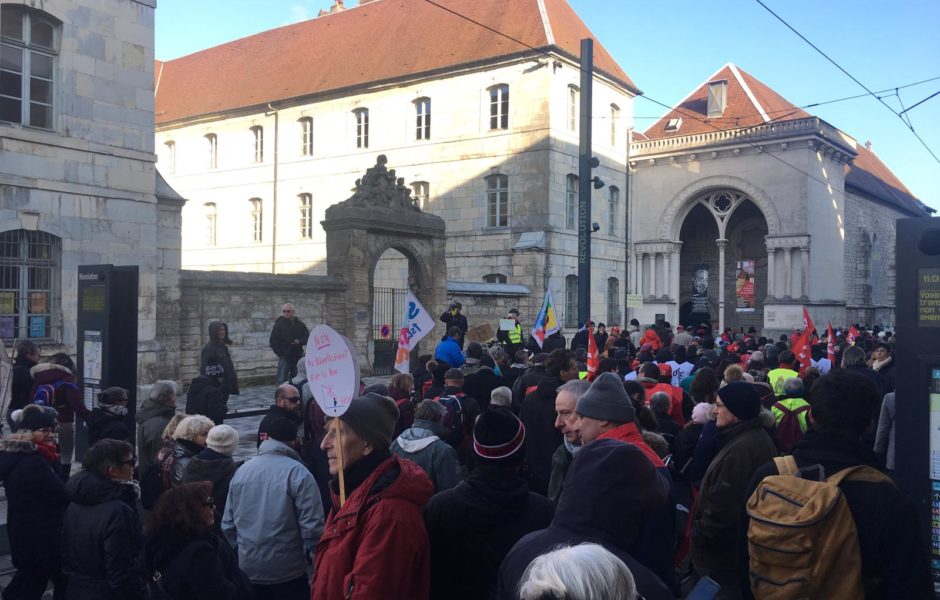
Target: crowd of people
x,y
482,474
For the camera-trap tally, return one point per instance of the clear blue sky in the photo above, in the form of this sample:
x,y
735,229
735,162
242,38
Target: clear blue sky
x,y
668,48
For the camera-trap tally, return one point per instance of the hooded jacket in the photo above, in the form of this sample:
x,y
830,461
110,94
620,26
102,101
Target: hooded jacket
x,y
214,467
68,398
216,351
36,501
448,350
541,437
102,540
104,425
473,526
205,398
375,547
273,512
610,491
437,458
152,419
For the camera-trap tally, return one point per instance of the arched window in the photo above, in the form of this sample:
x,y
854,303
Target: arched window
x,y
29,41
212,149
571,301
497,201
256,219
571,202
422,119
613,210
306,216
422,194
574,98
170,155
30,263
499,106
306,136
362,127
211,223
257,152
614,119
494,278
613,301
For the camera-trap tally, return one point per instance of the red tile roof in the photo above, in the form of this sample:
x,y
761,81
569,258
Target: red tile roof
x,y
868,174
379,41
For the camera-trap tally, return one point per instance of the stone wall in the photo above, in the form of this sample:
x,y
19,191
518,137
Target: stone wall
x,y
488,303
249,303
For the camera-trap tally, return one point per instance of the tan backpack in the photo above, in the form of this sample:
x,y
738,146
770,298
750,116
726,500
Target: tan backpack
x,y
802,539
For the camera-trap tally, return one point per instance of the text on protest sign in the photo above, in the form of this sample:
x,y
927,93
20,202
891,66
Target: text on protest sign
x,y
332,370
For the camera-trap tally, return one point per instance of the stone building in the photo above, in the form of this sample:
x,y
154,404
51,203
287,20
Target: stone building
x,y
78,183
745,208
263,133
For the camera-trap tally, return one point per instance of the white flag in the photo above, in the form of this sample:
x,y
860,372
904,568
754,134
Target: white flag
x,y
417,324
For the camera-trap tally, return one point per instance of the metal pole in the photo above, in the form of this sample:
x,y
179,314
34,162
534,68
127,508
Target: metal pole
x,y
584,182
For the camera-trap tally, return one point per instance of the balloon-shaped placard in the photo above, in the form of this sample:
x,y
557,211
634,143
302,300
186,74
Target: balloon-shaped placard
x,y
332,370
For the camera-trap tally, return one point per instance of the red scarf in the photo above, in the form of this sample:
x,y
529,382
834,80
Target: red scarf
x,y
48,451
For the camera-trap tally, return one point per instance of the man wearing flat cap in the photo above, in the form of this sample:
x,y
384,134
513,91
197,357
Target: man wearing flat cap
x,y
745,447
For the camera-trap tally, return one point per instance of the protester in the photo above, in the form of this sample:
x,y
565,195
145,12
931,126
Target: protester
x,y
482,518
660,404
188,440
214,464
885,436
152,418
65,397
453,318
790,414
274,517
421,445
102,540
883,364
401,389
27,356
583,572
580,339
538,415
109,418
287,405
528,381
776,377
511,340
473,355
610,492
501,396
375,545
745,446
450,349
481,383
288,340
36,502
205,394
568,423
216,351
185,557
654,379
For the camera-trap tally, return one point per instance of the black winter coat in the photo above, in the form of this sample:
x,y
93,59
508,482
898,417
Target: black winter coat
x,y
216,351
481,384
102,425
275,412
606,499
541,438
102,540
217,468
204,568
895,559
205,398
479,521
22,384
282,338
530,378
36,501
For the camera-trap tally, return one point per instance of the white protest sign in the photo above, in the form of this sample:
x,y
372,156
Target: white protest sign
x,y
332,370
416,325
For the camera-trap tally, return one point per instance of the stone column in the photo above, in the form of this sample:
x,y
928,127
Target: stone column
x,y
638,273
787,272
771,285
653,269
804,271
667,275
722,245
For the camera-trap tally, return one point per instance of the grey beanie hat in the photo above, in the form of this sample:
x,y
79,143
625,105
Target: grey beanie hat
x,y
606,400
373,417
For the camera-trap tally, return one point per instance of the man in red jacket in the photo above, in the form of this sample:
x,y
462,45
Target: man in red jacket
x,y
651,379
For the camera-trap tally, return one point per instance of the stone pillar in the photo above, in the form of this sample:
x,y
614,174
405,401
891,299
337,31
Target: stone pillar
x,y
667,274
787,272
638,273
804,271
653,270
771,281
722,245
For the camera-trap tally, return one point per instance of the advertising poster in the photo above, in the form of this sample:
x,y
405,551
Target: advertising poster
x,y
6,303
37,327
744,286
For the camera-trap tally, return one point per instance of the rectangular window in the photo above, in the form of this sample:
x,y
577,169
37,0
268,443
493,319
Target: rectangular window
x,y
362,127
571,202
211,223
212,148
29,262
170,156
499,107
306,136
497,201
256,220
257,154
573,100
306,216
613,301
613,210
423,119
422,194
571,301
614,118
28,42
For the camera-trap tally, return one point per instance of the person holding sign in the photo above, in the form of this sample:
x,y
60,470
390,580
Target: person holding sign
x,y
509,333
375,544
452,318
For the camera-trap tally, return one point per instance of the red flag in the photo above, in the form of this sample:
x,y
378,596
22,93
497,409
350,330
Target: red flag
x,y
801,349
593,356
830,345
807,322
853,333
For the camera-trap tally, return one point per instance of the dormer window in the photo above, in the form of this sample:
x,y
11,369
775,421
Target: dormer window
x,y
717,98
674,124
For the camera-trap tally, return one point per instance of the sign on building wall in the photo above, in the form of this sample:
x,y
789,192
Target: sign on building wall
x,y
744,286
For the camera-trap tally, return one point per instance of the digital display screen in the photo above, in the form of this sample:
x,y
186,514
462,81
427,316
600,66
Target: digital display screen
x,y
928,297
93,298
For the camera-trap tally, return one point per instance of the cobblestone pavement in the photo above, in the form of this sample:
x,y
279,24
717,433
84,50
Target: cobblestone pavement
x,y
253,398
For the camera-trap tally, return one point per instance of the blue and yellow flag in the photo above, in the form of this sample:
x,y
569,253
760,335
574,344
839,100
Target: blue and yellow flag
x,y
546,323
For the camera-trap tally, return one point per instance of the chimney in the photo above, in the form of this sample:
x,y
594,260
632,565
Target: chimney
x,y
868,144
337,6
717,98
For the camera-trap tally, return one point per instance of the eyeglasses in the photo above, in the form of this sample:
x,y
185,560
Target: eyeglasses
x,y
130,461
292,399
209,502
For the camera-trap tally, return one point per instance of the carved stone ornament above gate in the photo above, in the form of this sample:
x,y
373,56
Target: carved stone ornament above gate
x,y
379,187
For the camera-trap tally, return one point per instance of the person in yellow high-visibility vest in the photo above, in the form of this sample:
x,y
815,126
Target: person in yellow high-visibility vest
x,y
511,340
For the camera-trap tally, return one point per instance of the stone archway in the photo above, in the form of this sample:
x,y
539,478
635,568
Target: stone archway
x,y
380,215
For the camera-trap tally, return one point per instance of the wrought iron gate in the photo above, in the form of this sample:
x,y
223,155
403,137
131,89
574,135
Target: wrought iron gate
x,y
388,310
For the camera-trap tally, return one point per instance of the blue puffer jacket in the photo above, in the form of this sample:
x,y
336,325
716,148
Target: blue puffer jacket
x,y
272,513
449,351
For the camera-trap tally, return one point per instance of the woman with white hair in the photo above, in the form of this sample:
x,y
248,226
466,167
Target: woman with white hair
x,y
188,440
583,572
